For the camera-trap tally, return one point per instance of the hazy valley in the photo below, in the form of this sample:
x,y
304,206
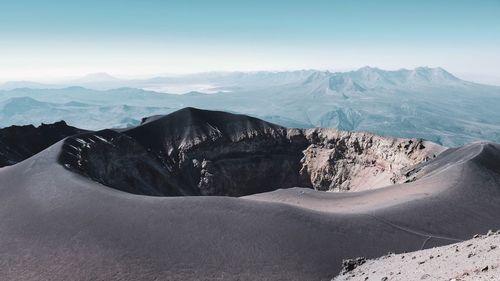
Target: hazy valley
x,y
428,103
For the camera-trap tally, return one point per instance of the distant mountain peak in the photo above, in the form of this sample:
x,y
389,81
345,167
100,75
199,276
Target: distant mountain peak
x,y
317,75
432,75
97,77
367,68
372,78
369,74
20,101
345,85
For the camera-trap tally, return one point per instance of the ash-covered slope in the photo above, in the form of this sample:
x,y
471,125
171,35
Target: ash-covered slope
x,y
20,142
58,225
200,152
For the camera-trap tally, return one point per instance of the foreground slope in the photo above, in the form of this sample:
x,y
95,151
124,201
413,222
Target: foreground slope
x,y
60,225
475,259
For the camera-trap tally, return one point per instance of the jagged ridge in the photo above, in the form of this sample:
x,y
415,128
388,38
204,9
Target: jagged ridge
x,y
20,142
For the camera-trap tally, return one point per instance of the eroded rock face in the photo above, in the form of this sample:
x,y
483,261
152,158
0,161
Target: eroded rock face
x,y
341,161
199,152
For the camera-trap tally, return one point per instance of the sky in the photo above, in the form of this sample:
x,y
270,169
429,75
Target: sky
x,y
43,40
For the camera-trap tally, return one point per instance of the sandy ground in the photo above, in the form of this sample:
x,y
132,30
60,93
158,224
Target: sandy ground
x,y
475,259
57,225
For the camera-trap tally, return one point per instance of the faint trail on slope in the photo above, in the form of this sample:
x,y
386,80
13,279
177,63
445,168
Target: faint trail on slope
x,y
409,230
425,242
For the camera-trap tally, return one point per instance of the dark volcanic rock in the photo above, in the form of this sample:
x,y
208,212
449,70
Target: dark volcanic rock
x,y
20,142
190,152
119,161
349,265
201,152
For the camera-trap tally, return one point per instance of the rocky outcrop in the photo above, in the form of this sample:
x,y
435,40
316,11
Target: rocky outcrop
x,y
20,142
190,152
474,259
200,152
341,161
349,265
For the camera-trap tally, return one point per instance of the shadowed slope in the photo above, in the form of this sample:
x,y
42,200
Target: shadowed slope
x,y
20,142
201,152
189,152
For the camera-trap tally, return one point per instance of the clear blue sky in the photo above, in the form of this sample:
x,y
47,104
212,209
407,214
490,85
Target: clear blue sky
x,y
148,36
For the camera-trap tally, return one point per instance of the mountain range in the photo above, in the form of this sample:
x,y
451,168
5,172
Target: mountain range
x,y
367,77
424,102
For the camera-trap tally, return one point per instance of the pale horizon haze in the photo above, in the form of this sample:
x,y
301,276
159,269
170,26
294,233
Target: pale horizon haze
x,y
51,40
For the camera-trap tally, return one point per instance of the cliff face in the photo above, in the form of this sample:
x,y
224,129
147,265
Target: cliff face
x,y
198,152
342,161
